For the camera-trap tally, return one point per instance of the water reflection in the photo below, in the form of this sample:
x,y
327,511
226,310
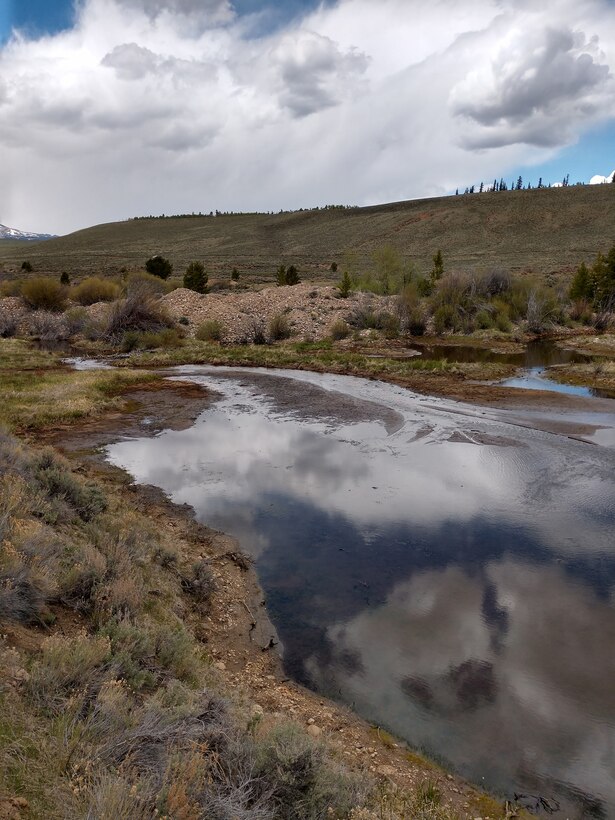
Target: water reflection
x,y
451,576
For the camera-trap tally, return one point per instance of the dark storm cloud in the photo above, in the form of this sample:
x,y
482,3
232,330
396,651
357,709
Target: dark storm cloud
x,y
535,90
314,71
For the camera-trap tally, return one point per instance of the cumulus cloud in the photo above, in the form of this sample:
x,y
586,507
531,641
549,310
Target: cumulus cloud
x,y
598,179
313,72
539,85
356,102
211,11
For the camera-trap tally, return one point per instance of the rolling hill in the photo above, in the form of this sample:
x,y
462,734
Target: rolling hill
x,y
545,231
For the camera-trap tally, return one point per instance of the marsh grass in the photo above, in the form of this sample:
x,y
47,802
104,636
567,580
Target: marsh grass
x,y
37,391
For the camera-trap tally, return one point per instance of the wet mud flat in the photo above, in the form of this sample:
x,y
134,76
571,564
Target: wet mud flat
x,y
442,569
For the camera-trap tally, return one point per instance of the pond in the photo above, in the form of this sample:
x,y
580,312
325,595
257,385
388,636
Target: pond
x,y
447,574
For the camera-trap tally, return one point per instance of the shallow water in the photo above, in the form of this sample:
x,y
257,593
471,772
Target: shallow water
x,y
448,574
535,379
539,354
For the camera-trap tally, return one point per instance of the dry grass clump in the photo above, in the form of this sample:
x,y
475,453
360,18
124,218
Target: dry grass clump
x,y
279,328
146,285
94,290
44,293
339,330
210,331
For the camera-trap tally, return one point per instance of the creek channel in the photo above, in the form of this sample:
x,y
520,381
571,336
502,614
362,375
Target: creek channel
x,y
446,572
534,362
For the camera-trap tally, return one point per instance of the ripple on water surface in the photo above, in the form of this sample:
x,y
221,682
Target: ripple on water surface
x,y
447,574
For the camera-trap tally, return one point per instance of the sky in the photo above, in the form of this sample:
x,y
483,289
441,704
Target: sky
x,y
116,108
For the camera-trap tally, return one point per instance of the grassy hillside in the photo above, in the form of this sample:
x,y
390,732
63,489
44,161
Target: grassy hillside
x,y
540,230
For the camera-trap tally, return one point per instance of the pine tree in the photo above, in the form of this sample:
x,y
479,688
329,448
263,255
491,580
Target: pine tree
x,y
438,267
195,277
292,276
480,190
345,285
582,286
520,184
540,182
281,276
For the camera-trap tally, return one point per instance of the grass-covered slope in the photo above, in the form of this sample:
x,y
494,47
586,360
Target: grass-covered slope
x,y
545,231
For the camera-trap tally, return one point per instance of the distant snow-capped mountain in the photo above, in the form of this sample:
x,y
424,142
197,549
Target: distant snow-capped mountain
x,y
22,236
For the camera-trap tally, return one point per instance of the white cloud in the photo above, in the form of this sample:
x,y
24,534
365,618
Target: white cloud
x,y
358,102
598,179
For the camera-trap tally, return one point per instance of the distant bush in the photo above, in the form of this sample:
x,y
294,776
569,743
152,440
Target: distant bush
x,y
64,278
210,331
581,311
195,277
138,314
235,275
43,293
94,290
287,276
159,266
339,330
27,267
145,284
48,326
416,323
484,320
183,320
8,325
445,318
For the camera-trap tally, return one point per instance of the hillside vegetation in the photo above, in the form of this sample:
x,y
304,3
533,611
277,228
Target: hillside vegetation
x,y
544,231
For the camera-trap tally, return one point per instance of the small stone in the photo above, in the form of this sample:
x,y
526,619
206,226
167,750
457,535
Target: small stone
x,y
314,731
220,665
386,771
311,721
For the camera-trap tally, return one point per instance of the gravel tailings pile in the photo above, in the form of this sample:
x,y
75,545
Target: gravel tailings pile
x,y
310,310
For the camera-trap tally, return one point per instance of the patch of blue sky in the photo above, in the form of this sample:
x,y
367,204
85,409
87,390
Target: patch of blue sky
x,y
35,17
594,153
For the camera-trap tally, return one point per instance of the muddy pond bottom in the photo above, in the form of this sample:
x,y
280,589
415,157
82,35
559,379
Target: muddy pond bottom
x,y
447,574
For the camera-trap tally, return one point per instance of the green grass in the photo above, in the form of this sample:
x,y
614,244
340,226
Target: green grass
x,y
37,391
538,230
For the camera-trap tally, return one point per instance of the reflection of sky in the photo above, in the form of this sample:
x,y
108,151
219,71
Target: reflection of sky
x,y
458,593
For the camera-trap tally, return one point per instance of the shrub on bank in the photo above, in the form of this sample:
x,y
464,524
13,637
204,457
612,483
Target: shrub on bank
x,y
48,326
44,293
94,290
136,313
210,331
